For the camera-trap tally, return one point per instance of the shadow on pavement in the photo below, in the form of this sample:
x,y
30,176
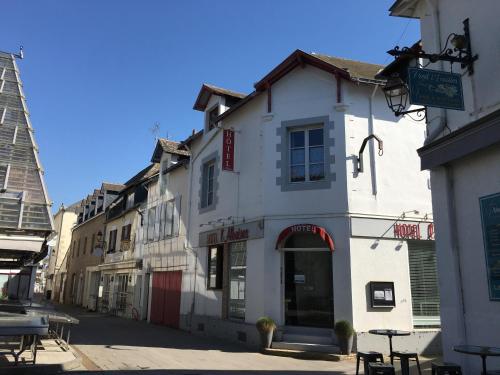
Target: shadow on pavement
x,y
124,334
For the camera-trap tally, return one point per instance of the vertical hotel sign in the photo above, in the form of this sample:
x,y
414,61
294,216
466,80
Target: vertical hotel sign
x,y
228,150
490,218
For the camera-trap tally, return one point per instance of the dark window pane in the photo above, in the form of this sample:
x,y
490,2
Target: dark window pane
x,y
297,139
297,156
298,173
316,172
210,198
316,137
316,154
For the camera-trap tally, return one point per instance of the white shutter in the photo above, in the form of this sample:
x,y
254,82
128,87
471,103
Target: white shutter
x,y
157,222
424,283
177,215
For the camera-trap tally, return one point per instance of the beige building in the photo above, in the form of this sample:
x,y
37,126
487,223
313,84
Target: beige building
x,y
85,252
64,221
122,287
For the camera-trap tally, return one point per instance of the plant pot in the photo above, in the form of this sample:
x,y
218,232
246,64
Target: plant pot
x,y
345,344
266,338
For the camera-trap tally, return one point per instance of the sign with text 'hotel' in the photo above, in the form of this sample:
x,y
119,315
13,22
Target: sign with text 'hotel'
x,y
399,229
232,233
434,88
228,150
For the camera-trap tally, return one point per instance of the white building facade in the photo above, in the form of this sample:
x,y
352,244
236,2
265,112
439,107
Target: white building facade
x,y
463,154
282,222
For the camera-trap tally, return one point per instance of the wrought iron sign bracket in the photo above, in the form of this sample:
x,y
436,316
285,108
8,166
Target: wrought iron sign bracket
x,y
363,145
420,113
460,53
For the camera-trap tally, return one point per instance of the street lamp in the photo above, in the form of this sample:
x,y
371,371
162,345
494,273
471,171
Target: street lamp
x,y
396,94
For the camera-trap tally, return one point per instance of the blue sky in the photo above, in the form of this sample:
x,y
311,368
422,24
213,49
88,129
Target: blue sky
x,y
99,74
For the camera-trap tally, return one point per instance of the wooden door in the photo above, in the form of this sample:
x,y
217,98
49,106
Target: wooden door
x,y
166,298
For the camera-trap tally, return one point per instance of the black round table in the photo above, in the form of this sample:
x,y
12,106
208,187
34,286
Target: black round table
x,y
482,351
389,333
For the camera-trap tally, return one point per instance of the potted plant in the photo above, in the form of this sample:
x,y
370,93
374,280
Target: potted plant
x,y
266,327
344,332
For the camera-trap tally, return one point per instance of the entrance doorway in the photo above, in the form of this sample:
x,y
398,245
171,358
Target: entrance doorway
x,y
308,288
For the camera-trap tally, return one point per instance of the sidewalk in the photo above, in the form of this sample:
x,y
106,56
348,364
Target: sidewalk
x,y
111,345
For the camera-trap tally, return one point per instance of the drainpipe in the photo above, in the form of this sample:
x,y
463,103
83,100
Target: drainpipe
x,y
187,245
455,247
371,147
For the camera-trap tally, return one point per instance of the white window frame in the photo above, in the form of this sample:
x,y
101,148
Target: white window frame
x,y
208,184
306,148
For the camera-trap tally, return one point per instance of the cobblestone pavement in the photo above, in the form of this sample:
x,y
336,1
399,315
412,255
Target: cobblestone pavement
x,y
111,345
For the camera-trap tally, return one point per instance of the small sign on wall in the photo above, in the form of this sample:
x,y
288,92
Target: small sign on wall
x,y
382,294
228,150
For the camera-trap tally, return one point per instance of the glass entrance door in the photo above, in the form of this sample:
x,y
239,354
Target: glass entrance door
x,y
308,289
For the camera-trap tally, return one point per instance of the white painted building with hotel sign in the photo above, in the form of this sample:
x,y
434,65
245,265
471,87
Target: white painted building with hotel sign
x,y
281,222
463,154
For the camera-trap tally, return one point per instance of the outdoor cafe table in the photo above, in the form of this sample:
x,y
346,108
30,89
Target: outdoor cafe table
x,y
389,333
483,351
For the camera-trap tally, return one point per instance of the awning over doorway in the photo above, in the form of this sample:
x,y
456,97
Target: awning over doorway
x,y
305,228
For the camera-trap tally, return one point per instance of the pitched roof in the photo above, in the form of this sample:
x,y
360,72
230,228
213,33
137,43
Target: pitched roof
x,y
112,187
356,69
208,90
171,147
144,174
350,70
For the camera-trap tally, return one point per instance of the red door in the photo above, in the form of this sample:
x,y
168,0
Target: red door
x,y
166,298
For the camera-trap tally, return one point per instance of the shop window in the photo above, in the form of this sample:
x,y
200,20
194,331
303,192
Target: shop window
x,y
215,267
208,184
112,241
237,280
424,284
307,155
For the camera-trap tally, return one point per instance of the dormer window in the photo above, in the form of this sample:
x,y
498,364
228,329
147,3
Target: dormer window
x,y
212,116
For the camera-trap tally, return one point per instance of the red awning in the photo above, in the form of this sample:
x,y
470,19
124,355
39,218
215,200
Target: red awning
x,y
305,228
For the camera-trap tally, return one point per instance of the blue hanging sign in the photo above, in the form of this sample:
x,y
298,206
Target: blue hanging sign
x,y
490,218
434,88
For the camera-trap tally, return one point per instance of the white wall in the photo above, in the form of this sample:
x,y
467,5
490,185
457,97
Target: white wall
x,y
457,188
254,192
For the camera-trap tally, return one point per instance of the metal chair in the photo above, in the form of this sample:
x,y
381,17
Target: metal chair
x,y
405,357
367,357
379,368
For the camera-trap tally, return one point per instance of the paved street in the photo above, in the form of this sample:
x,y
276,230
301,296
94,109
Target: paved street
x,y
111,345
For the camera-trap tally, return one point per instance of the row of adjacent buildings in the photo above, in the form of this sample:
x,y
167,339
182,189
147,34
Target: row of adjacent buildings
x,y
275,208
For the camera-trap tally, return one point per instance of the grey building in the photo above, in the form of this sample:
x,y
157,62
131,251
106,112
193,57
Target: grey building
x,y
25,218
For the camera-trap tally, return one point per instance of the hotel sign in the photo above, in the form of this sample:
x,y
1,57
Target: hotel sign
x,y
395,229
228,150
434,88
490,219
233,233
